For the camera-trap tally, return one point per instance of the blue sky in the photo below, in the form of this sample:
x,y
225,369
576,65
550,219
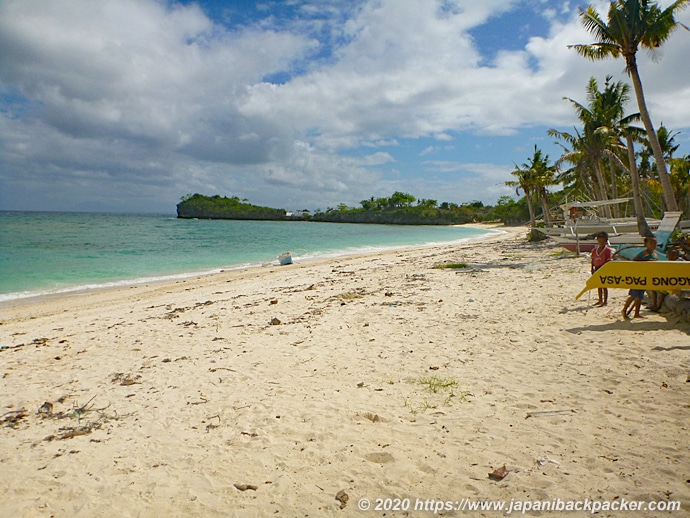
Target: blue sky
x,y
126,106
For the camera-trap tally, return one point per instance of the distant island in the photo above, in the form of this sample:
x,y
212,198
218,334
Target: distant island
x,y
216,207
398,209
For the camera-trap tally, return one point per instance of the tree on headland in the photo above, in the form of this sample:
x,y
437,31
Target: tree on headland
x,y
401,199
632,24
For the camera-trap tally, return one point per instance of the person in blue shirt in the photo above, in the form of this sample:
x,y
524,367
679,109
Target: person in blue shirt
x,y
634,300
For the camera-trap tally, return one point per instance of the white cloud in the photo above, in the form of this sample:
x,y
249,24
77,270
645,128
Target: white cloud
x,y
153,101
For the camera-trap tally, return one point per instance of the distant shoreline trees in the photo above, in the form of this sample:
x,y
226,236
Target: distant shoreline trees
x,y
398,209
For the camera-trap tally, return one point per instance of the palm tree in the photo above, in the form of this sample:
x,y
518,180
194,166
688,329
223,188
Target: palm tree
x,y
525,182
533,177
610,108
608,133
680,179
631,24
579,180
630,133
611,103
601,119
543,177
668,148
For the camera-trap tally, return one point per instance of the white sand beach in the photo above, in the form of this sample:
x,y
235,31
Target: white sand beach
x,y
266,392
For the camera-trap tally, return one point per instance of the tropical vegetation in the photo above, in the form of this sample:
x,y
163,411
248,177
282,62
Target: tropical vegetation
x,y
632,24
600,160
399,208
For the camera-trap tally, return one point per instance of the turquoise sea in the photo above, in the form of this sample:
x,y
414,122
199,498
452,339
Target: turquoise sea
x,y
46,252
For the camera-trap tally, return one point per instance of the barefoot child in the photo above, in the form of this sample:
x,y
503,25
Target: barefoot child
x,y
601,255
634,300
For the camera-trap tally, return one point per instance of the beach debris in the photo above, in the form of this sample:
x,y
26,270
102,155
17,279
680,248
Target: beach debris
x,y
45,409
275,321
352,294
126,379
609,458
75,431
244,487
549,413
189,323
211,426
499,474
342,497
8,347
374,418
12,418
274,301
543,460
203,400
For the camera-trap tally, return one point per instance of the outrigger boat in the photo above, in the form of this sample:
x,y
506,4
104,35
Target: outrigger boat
x,y
662,234
625,245
589,242
575,223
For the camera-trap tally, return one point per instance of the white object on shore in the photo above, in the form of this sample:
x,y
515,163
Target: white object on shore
x,y
285,258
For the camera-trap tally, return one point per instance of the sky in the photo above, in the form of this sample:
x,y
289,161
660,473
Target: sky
x,y
128,105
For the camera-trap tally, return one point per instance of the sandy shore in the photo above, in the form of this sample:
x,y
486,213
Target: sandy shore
x,y
267,392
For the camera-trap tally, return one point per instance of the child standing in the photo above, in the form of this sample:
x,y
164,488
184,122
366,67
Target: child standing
x,y
601,255
634,300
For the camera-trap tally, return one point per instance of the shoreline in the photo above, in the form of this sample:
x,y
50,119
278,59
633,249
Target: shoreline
x,y
380,375
22,298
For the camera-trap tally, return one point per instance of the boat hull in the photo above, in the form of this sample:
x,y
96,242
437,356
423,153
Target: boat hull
x,y
585,229
587,245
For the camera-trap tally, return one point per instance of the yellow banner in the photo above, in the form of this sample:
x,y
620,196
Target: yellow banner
x,y
641,275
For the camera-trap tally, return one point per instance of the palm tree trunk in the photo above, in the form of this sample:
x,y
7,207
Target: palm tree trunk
x,y
601,181
585,178
530,206
642,226
614,188
651,133
544,199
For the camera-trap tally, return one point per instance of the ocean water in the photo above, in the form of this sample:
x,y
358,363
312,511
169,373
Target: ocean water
x,y
45,252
